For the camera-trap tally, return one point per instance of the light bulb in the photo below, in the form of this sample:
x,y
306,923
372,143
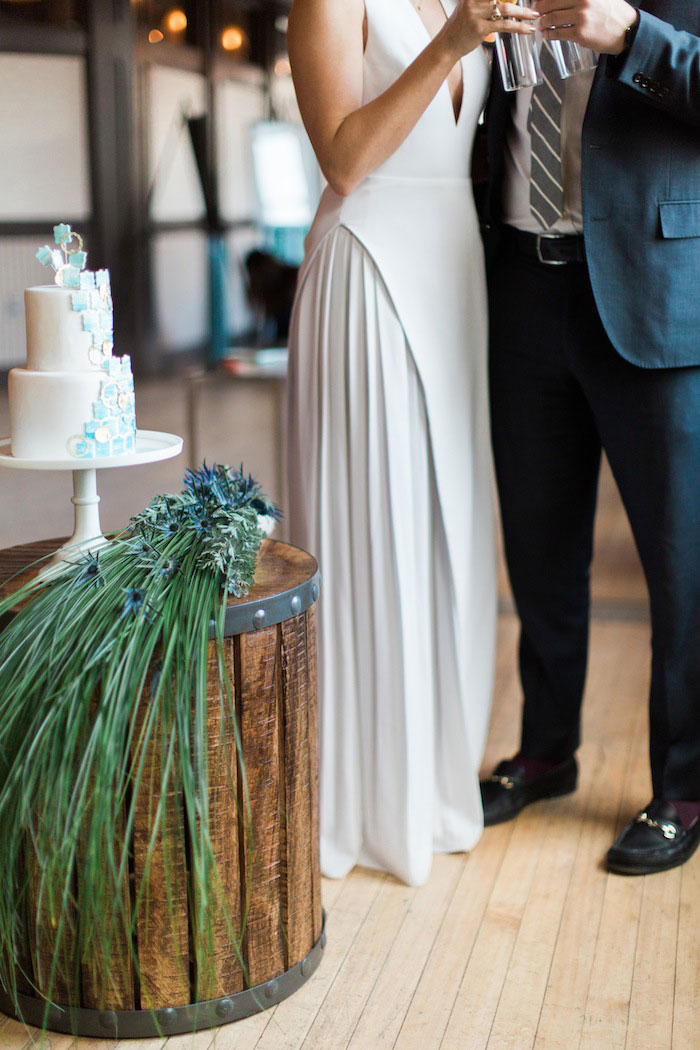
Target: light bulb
x,y
232,38
176,20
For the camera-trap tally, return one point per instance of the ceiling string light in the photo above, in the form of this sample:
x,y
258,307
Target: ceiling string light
x,y
176,21
232,38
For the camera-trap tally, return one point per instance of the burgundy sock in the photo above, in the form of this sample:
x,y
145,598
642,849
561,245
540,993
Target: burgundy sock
x,y
687,811
531,768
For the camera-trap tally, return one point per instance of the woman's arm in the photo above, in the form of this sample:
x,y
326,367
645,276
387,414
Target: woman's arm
x,y
326,45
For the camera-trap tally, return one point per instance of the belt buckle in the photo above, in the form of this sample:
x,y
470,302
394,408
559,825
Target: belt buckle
x,y
538,244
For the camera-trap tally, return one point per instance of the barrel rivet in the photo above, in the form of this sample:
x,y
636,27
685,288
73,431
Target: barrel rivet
x,y
271,990
167,1017
306,968
296,605
259,618
108,1020
314,592
224,1007
323,939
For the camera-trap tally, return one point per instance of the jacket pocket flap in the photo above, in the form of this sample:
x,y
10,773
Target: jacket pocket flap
x,y
680,218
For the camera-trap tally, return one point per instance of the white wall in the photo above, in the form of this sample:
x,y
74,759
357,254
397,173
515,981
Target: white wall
x,y
172,96
239,106
18,270
44,172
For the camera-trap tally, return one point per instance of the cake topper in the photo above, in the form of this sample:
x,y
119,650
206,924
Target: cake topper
x,y
68,260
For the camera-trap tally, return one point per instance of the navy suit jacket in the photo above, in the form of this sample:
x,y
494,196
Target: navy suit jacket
x,y
640,185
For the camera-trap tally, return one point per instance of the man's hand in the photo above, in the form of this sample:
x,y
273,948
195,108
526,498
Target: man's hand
x,y
598,24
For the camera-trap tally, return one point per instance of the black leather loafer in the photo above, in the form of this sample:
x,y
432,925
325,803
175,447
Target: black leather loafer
x,y
506,792
655,841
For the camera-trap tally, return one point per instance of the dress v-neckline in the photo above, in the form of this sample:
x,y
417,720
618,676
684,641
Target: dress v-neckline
x,y
456,114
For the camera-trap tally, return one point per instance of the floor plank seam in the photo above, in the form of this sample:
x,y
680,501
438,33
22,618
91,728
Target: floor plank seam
x,y
476,934
636,737
379,973
675,957
333,907
588,805
540,845
381,882
627,763
675,967
432,948
429,952
636,945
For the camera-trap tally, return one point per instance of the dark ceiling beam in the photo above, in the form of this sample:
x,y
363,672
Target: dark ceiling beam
x,y
29,38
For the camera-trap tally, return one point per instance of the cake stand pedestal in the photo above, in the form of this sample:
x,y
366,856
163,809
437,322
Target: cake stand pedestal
x,y
151,446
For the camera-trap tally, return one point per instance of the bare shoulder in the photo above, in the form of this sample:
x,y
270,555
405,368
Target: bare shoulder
x,y
332,16
325,42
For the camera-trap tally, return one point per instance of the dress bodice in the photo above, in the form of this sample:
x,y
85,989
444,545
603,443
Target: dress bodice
x,y
438,147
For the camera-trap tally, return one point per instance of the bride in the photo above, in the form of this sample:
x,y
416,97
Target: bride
x,y
389,463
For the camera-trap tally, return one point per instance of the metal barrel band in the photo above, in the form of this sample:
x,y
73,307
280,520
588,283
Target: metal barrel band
x,y
170,1020
254,615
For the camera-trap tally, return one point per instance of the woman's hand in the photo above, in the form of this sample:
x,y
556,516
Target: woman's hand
x,y
473,20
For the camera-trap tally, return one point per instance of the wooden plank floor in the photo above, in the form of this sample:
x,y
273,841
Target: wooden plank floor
x,y
527,943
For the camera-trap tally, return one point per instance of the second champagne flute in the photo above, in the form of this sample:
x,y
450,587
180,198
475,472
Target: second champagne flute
x,y
571,58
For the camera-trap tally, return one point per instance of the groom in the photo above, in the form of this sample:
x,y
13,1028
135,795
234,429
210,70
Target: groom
x,y
594,245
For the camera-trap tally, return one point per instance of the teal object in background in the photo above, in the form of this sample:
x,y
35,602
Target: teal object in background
x,y
286,242
218,314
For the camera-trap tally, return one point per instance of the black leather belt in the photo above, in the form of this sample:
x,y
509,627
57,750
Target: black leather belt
x,y
551,249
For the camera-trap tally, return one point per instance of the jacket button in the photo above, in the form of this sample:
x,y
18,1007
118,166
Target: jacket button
x,y
637,78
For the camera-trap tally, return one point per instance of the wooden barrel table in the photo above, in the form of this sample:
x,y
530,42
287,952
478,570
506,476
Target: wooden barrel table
x,y
270,649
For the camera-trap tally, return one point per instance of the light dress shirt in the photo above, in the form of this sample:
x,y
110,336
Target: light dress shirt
x,y
516,182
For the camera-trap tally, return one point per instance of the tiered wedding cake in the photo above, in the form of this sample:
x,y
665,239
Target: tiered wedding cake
x,y
74,396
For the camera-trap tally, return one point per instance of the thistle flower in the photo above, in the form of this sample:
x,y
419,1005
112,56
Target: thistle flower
x,y
169,568
168,527
135,602
144,550
89,569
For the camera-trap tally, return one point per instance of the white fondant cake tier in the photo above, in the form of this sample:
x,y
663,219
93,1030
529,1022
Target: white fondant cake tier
x,y
74,397
48,408
56,336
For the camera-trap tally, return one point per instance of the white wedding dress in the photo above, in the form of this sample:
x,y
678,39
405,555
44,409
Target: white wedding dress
x,y
390,481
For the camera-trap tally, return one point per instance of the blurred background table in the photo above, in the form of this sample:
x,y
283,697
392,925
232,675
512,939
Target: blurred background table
x,y
266,368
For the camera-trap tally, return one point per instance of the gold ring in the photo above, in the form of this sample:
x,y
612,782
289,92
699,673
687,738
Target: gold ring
x,y
496,14
59,275
67,243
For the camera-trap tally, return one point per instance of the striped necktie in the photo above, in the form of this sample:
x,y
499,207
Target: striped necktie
x,y
544,125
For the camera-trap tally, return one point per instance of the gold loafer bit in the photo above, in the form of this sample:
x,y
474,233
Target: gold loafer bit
x,y
505,782
669,831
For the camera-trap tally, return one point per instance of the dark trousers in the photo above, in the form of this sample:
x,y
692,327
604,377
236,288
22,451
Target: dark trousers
x,y
559,393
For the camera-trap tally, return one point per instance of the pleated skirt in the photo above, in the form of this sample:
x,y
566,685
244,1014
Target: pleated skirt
x,y
404,706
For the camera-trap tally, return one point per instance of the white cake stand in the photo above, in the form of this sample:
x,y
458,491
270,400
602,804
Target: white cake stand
x,y
151,447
